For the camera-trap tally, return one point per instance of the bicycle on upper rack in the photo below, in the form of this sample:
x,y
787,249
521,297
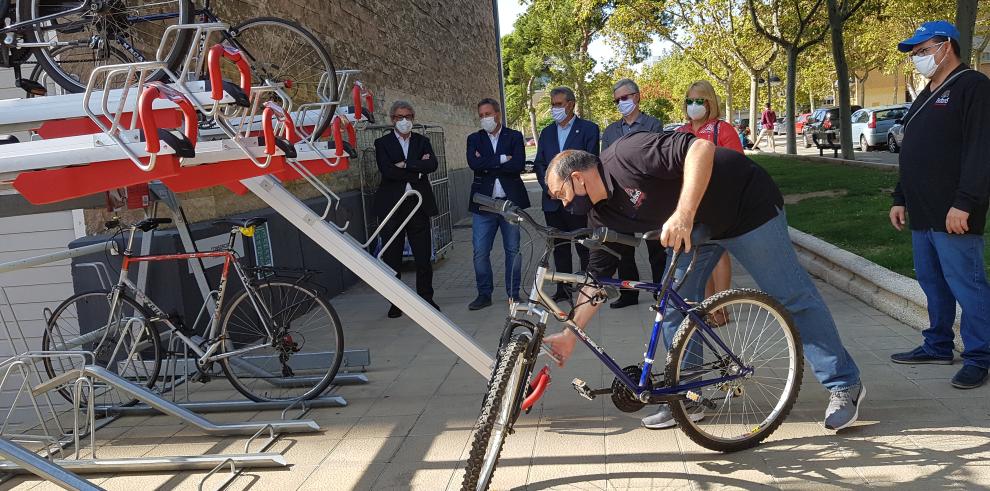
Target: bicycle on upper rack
x,y
276,340
70,38
744,372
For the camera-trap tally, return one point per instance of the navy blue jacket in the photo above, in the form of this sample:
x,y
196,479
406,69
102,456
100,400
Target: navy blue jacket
x,y
488,167
583,136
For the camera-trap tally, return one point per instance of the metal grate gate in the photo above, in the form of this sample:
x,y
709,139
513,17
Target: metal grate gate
x,y
441,225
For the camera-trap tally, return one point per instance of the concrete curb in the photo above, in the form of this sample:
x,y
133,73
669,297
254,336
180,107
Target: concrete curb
x,y
893,294
830,160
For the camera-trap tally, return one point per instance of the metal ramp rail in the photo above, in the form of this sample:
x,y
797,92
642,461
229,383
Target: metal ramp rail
x,y
20,459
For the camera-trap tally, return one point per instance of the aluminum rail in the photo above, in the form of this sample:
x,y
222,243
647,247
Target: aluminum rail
x,y
31,262
172,409
152,464
375,273
22,460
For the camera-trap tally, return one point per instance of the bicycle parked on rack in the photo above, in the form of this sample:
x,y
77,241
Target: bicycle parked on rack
x,y
745,373
276,340
71,38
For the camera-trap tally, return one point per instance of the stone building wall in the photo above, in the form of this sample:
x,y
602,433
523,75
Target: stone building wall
x,y
439,55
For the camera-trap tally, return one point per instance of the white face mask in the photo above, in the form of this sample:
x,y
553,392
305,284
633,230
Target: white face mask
x,y
926,65
488,124
626,107
403,126
558,114
696,112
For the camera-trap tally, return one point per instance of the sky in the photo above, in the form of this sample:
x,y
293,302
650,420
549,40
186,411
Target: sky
x,y
510,10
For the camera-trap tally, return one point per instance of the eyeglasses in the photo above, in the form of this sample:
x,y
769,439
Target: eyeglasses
x,y
397,117
623,97
698,102
559,193
925,51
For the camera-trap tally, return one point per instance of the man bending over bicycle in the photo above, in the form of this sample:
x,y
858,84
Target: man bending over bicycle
x,y
688,188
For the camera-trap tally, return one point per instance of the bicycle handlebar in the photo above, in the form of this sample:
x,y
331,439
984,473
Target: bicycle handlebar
x,y
217,52
595,237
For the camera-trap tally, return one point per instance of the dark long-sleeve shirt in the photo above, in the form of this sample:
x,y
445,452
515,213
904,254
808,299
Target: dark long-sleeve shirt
x,y
944,159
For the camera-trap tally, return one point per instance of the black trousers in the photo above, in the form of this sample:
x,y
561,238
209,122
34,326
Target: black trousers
x,y
627,264
562,258
418,232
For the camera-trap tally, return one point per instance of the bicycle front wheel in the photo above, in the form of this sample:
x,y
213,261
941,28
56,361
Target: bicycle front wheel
x,y
284,53
761,334
93,37
504,395
122,340
281,341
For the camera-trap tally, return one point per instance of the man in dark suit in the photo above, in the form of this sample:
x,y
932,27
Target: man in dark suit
x,y
568,132
497,156
405,160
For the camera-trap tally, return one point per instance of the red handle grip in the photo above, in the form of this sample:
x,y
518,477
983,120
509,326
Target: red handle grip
x,y
352,136
338,139
146,114
217,52
356,92
539,386
272,112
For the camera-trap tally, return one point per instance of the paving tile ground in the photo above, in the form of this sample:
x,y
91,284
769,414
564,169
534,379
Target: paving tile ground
x,y
410,427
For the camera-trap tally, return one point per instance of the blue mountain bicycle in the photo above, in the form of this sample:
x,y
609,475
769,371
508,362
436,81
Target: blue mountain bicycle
x,y
741,370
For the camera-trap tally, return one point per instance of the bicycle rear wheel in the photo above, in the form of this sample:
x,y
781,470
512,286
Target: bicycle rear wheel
x,y
96,35
125,343
505,391
760,332
283,52
301,357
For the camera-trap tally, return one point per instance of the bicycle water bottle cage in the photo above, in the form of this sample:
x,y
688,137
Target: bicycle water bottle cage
x,y
241,94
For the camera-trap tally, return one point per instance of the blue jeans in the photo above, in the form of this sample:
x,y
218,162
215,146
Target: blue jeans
x,y
483,228
950,269
769,257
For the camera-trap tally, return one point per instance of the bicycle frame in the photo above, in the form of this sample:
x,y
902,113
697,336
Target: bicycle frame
x,y
668,299
206,355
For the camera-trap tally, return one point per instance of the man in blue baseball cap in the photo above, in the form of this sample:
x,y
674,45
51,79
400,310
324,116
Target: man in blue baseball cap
x,y
944,188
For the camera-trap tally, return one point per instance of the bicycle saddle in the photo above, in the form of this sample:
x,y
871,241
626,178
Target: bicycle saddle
x,y
241,222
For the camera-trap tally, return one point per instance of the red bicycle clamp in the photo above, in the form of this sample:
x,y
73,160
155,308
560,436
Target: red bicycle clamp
x,y
184,144
537,386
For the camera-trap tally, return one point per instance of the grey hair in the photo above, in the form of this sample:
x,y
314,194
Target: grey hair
x,y
570,161
400,104
490,102
566,91
626,82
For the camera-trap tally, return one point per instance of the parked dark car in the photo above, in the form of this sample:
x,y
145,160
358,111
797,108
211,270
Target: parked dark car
x,y
823,125
895,137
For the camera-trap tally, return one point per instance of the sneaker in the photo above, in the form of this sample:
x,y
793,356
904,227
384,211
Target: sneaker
x,y
663,418
624,301
481,302
843,407
969,377
919,356
394,312
561,294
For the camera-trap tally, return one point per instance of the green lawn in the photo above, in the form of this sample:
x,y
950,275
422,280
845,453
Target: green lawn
x,y
856,221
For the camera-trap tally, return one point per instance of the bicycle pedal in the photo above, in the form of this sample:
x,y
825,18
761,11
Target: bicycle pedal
x,y
582,389
698,398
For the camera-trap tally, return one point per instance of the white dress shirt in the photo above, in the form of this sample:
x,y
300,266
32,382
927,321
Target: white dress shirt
x,y
497,191
404,143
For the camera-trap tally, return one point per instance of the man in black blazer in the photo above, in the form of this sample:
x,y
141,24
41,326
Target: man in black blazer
x,y
405,160
497,156
567,132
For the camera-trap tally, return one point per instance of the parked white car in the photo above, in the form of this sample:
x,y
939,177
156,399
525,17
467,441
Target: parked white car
x,y
870,125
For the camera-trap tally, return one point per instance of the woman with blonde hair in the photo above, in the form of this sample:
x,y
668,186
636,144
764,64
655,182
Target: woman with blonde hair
x,y
702,110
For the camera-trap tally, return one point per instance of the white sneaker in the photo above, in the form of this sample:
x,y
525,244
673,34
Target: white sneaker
x,y
663,418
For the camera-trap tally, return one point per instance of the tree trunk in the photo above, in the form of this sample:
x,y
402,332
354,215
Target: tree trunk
x,y
811,101
792,55
754,99
978,51
861,89
531,109
835,20
728,97
966,23
896,95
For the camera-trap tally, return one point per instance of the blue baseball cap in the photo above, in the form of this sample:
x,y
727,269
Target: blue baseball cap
x,y
927,31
